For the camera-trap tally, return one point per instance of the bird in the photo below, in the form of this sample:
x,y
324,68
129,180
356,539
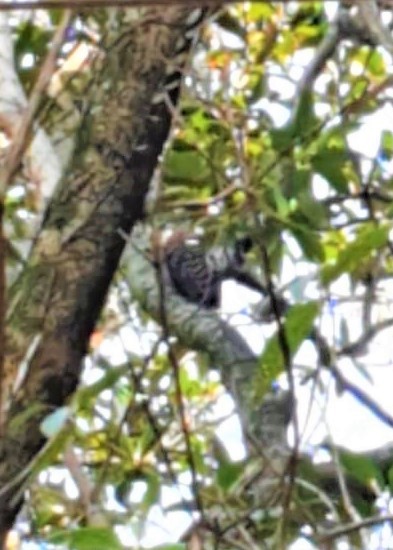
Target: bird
x,y
196,273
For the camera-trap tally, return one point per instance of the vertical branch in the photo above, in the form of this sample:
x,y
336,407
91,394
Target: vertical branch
x,y
178,389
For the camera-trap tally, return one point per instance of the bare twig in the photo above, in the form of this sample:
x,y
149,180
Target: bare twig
x,y
345,493
80,478
355,526
362,396
325,356
358,347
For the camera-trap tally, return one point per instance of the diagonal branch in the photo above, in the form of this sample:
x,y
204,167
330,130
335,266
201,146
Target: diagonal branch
x,y
58,297
203,330
22,133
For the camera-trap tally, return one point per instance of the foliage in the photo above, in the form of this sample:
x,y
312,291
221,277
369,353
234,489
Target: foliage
x,y
256,149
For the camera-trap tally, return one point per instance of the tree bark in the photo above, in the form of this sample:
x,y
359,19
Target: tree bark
x,y
56,301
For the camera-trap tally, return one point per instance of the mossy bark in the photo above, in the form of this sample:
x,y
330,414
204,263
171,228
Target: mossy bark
x,y
56,301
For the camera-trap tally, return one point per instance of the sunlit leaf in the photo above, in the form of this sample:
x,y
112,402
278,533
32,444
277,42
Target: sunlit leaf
x,y
88,538
369,240
297,327
228,473
304,121
189,165
362,468
376,63
330,163
390,479
310,243
386,145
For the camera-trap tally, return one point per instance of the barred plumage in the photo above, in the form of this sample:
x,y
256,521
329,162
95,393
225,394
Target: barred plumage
x,y
197,274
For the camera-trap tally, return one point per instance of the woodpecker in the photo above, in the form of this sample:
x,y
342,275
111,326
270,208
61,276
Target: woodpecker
x,y
197,274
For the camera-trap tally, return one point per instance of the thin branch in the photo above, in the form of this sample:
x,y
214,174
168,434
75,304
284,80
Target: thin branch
x,y
324,52
178,389
355,526
21,134
325,358
345,493
80,478
358,347
361,396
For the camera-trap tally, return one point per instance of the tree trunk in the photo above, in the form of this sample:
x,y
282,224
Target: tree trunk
x,y
56,301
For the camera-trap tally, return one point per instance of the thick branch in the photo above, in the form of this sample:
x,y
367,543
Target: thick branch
x,y
56,301
203,330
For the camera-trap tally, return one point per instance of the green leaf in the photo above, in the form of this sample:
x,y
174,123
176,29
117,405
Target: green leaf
x,y
86,393
376,63
361,468
297,327
190,165
313,211
282,138
390,479
257,12
386,145
231,24
330,163
228,473
152,492
370,238
282,204
304,121
310,243
302,124
87,538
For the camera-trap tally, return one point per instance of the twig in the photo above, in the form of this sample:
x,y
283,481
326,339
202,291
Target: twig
x,y
345,493
358,347
21,134
80,478
362,396
351,527
179,394
325,357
